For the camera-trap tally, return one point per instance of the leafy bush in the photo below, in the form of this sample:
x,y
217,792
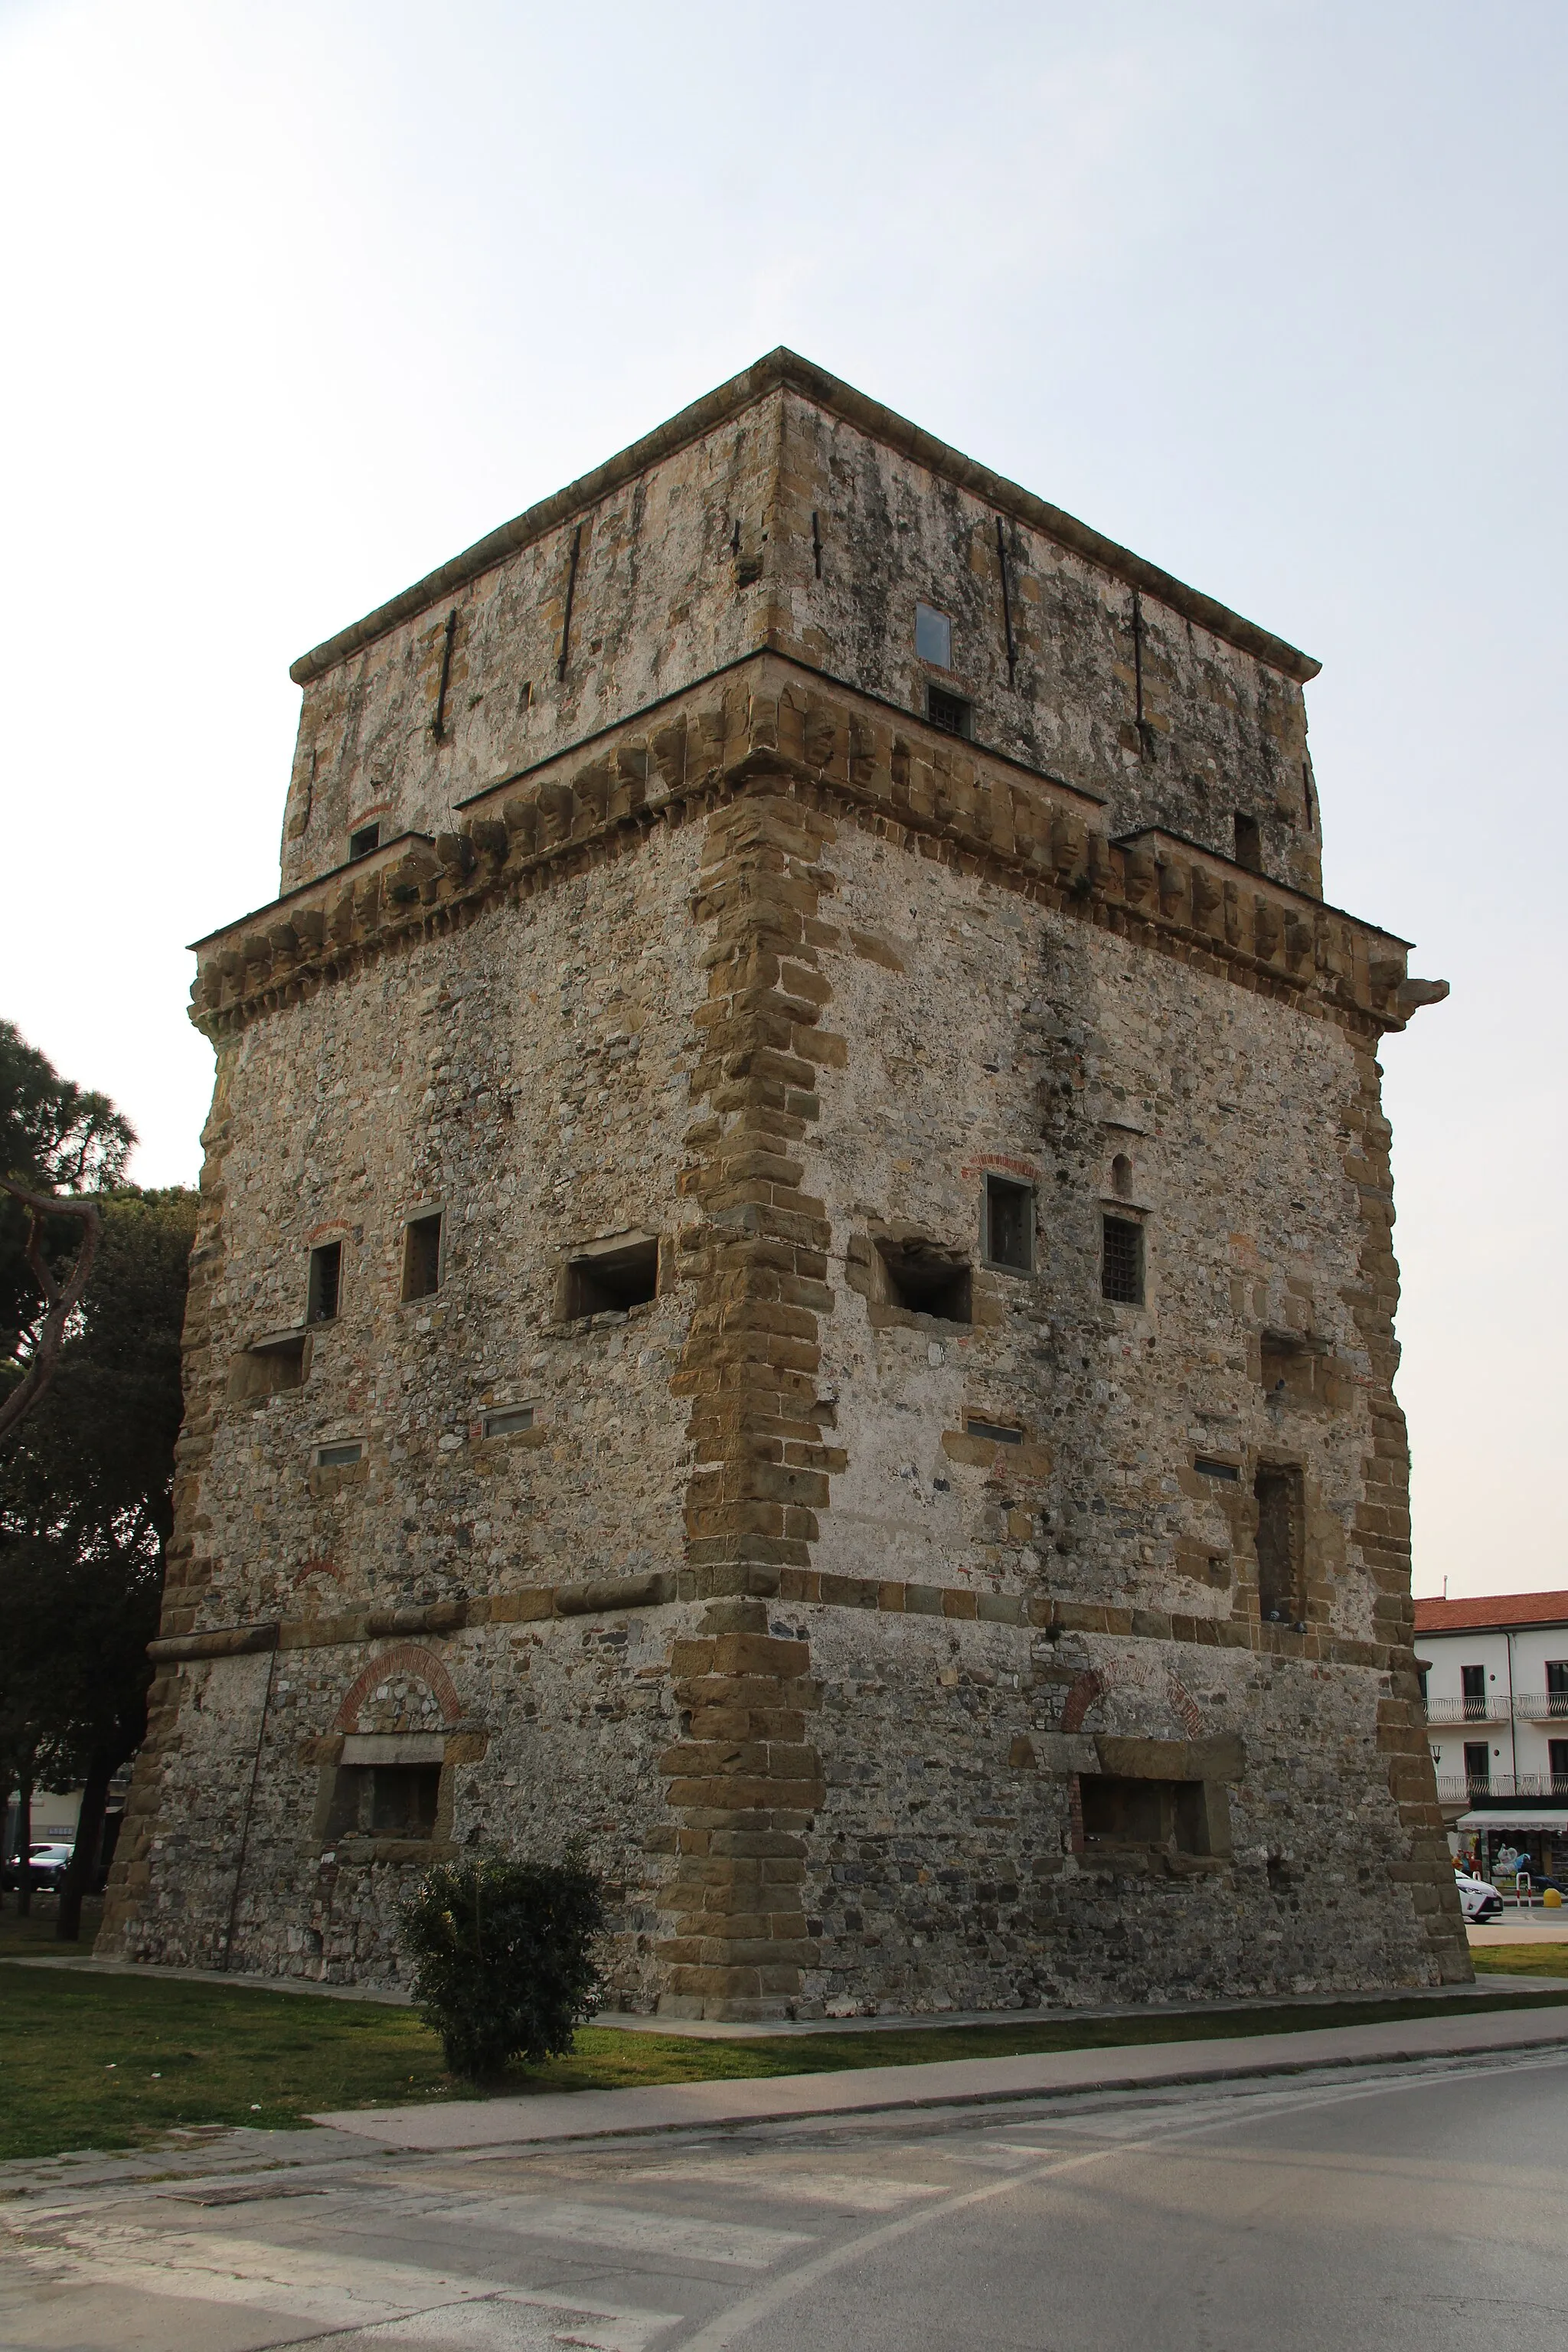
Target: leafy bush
x,y
503,1957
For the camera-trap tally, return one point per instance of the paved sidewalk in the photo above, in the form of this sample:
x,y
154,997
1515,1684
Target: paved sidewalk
x,y
590,2115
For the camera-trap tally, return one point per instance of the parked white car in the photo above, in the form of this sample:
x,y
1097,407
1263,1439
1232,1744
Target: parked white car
x,y
1478,1900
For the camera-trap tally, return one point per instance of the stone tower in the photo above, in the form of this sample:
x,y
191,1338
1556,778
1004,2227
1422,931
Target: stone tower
x,y
794,1281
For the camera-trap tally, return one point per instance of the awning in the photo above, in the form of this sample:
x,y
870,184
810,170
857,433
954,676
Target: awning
x,y
1538,1817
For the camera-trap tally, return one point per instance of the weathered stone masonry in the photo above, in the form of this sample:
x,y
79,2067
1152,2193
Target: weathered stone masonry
x,y
888,1647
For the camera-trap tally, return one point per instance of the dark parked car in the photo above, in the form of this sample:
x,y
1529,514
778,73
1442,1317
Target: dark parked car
x,y
45,1866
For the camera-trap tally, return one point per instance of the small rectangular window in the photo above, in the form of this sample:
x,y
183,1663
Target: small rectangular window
x,y
1121,1262
1248,843
404,1799
422,1256
1281,1512
924,1279
949,711
509,1419
1557,1765
361,843
326,1283
1121,1812
996,1431
1207,1468
611,1279
390,1800
338,1457
1473,1685
1477,1764
1557,1682
933,636
1009,1225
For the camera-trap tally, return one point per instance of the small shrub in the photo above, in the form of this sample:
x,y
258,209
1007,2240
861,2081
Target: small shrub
x,y
503,1957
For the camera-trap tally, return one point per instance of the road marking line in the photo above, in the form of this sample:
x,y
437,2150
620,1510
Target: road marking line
x,y
861,2192
736,2245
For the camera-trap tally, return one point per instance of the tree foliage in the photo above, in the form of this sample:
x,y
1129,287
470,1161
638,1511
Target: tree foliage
x,y
85,1510
503,1957
58,1142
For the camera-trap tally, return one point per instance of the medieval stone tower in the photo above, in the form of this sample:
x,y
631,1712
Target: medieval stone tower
x,y
795,1280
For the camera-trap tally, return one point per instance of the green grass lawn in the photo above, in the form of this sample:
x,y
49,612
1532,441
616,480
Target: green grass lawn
x,y
36,1933
98,2062
1543,1959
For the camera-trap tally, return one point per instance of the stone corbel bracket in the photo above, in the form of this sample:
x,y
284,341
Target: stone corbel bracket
x,y
767,724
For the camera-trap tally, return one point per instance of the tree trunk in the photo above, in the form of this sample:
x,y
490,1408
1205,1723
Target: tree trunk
x,y
82,1868
24,1845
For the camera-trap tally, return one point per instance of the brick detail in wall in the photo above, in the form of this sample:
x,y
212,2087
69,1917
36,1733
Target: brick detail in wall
x,y
744,1783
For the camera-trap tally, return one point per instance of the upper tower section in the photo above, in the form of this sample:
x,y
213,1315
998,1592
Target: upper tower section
x,y
785,513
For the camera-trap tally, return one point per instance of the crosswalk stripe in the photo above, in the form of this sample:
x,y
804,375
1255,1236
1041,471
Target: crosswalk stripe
x,y
735,2245
332,2290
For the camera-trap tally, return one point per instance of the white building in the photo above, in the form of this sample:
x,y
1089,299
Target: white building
x,y
1495,1674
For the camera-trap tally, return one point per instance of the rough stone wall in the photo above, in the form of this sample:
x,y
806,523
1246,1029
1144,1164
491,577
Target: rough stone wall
x,y
664,592
1220,730
787,526
826,1677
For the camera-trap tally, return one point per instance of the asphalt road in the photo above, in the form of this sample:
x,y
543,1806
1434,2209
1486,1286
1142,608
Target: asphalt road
x,y
1421,2206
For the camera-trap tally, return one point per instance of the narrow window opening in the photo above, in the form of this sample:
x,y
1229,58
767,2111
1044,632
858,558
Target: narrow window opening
x,y
325,1284
1557,1765
1423,1675
1248,843
268,1368
422,1256
1122,1177
933,636
1557,1686
509,1421
361,843
339,1458
1207,1468
403,1800
1307,791
1477,1766
390,1800
1278,1494
949,711
924,1279
1128,1812
1009,1225
1121,1262
997,1431
1473,1685
610,1280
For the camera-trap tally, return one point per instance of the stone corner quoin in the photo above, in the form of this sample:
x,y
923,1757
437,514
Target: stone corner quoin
x,y
795,1282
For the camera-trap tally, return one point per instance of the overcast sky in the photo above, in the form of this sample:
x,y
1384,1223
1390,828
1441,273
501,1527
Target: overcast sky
x,y
298,301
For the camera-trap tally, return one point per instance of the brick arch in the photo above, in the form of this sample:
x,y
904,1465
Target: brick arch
x,y
407,1658
1082,1692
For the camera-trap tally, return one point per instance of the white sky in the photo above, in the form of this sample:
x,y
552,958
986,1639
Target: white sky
x,y
298,300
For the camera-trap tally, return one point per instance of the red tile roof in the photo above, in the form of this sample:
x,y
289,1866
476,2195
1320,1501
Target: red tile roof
x,y
1491,1609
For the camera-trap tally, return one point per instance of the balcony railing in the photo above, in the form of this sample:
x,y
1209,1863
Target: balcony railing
x,y
1529,1707
1504,1789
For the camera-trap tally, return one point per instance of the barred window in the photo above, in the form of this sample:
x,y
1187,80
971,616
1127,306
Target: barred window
x,y
1122,1262
949,711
